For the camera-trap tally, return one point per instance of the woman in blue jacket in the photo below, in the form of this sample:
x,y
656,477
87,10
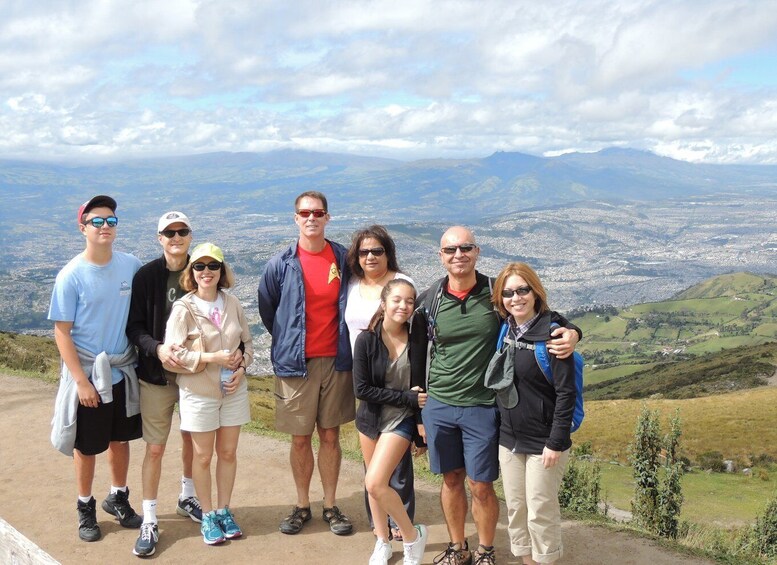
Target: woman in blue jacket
x,y
534,437
388,371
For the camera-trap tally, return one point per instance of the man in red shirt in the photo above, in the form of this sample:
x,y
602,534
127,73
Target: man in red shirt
x,y
302,303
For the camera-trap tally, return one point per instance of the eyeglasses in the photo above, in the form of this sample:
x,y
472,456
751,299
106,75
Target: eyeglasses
x,y
112,222
376,252
520,291
215,266
464,247
316,213
170,234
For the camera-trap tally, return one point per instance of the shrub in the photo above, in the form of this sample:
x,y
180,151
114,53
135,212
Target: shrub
x,y
711,461
581,486
761,538
658,494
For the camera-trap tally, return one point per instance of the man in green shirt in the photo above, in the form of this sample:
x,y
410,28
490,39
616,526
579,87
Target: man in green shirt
x,y
461,420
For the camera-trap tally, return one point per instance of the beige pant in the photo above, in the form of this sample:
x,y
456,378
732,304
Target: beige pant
x,y
533,511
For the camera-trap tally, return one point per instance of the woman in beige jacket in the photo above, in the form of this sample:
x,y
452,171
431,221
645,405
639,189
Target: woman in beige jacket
x,y
210,324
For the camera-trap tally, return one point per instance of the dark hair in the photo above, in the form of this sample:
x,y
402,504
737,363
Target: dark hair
x,y
532,279
377,317
187,282
311,194
375,232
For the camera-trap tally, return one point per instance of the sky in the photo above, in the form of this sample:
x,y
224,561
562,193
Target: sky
x,y
405,79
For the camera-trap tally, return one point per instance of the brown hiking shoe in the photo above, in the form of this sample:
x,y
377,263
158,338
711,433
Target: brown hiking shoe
x,y
454,554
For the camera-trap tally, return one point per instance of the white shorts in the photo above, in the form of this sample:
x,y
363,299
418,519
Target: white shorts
x,y
205,414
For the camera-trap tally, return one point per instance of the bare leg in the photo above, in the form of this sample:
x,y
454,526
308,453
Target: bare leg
x,y
329,457
301,459
453,497
152,470
118,462
485,510
187,452
387,453
202,443
84,465
226,463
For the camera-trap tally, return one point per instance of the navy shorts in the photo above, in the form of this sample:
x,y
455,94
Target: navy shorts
x,y
97,427
463,437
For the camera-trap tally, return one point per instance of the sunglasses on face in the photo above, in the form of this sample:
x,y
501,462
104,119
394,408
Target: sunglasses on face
x,y
316,213
464,247
112,222
376,252
170,234
520,291
215,266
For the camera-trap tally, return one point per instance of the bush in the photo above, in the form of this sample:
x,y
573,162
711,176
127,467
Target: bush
x,y
711,461
581,486
658,494
761,538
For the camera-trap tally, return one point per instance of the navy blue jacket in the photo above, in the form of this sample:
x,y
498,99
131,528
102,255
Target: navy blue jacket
x,y
282,309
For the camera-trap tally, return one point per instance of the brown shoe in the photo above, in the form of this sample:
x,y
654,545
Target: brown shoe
x,y
292,524
338,522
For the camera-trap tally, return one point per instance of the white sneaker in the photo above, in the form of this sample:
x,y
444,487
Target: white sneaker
x,y
382,553
414,552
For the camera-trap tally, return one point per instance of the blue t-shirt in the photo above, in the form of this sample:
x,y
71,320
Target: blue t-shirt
x,y
96,298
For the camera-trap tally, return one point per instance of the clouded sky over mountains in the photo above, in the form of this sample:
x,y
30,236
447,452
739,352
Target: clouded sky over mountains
x,y
690,79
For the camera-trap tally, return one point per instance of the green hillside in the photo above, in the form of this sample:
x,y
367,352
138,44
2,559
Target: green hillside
x,y
727,312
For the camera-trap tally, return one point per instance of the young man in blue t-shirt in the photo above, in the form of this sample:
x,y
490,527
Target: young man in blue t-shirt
x,y
97,406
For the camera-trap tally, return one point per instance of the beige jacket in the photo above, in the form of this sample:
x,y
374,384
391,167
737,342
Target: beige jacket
x,y
182,329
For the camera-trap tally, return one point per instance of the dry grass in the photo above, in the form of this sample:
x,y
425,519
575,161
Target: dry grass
x,y
738,424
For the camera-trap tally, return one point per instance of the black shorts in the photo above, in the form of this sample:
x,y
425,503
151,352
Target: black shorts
x,y
97,427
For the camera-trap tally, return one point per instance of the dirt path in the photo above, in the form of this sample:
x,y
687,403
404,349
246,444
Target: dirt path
x,y
37,497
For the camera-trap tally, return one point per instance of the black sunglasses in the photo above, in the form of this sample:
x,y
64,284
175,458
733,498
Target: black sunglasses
x,y
520,291
112,222
465,248
316,213
215,266
170,234
376,252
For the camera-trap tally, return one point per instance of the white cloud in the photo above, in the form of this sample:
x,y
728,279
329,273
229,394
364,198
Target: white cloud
x,y
406,78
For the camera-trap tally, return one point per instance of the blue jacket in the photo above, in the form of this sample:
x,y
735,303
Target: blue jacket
x,y
282,308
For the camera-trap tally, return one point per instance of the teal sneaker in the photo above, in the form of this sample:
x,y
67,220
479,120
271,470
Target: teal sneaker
x,y
211,531
228,525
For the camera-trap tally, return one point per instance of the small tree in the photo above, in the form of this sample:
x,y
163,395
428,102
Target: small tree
x,y
581,486
657,496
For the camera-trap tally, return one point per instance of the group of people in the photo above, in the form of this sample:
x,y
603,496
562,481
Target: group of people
x,y
346,324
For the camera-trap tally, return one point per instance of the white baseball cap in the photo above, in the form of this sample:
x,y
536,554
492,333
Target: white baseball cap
x,y
172,218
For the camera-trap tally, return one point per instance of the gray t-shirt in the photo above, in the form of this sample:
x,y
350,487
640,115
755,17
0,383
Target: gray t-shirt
x,y
397,378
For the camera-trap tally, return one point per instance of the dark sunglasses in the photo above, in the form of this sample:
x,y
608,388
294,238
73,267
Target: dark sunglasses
x,y
215,266
465,248
376,252
112,222
316,213
520,291
170,234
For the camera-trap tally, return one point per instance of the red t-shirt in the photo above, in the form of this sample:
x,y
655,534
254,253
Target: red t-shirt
x,y
322,290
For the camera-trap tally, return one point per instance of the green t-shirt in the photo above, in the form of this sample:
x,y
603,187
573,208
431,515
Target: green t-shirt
x,y
466,336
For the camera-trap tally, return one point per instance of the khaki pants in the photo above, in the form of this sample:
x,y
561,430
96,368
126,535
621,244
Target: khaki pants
x,y
533,511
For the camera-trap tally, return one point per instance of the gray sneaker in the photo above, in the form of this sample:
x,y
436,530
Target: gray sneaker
x,y
146,544
88,530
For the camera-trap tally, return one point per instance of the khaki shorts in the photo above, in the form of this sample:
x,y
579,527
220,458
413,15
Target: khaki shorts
x,y
157,404
324,398
205,414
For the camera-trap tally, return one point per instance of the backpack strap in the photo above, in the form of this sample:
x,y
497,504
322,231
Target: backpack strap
x,y
430,308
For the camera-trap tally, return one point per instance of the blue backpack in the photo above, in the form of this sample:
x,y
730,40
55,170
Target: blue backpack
x,y
542,356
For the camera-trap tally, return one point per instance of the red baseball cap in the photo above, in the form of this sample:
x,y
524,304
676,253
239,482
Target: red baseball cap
x,y
95,202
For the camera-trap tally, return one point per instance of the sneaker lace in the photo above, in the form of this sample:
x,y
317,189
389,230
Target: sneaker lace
x,y
227,519
450,555
194,502
146,531
88,518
